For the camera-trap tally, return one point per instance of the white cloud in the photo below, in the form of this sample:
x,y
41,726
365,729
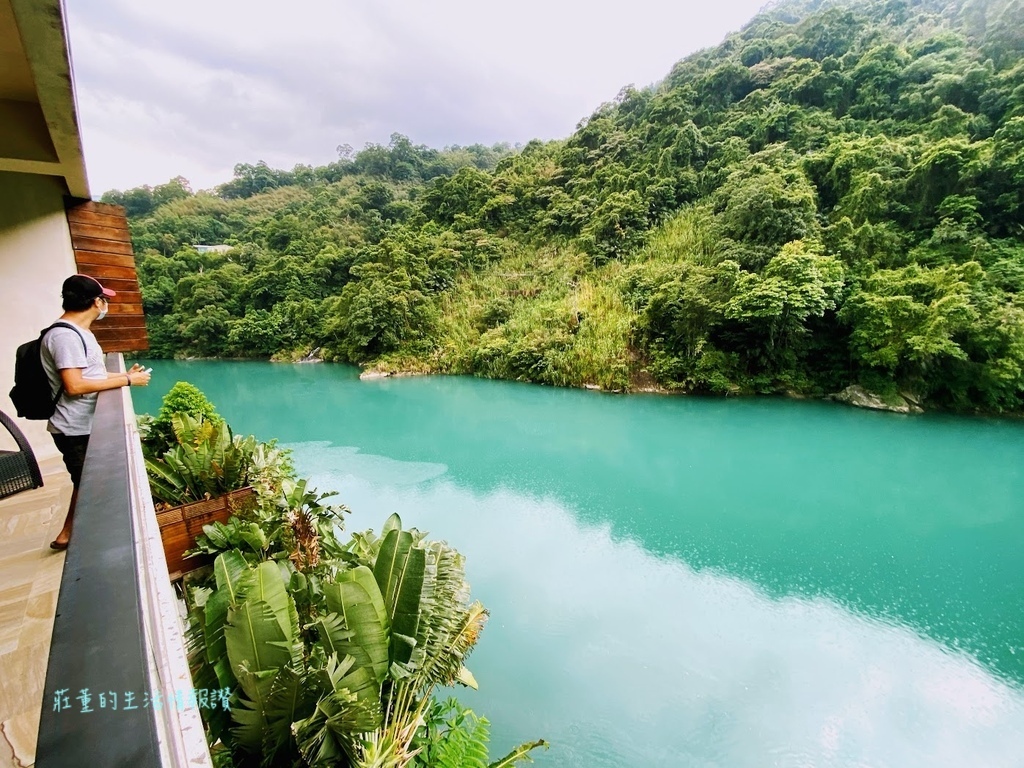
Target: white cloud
x,y
194,87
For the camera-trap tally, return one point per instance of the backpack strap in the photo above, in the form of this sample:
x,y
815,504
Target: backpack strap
x,y
85,349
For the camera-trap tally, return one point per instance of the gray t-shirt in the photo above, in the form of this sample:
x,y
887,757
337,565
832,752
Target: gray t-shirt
x,y
62,348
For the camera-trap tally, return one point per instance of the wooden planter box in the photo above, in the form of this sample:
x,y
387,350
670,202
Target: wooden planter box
x,y
179,527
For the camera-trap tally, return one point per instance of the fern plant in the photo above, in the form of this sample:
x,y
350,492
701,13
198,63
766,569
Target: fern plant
x,y
453,736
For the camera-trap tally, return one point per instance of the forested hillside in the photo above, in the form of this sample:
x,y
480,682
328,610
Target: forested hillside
x,y
833,195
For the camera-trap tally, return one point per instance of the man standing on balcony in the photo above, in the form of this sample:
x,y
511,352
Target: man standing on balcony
x,y
73,362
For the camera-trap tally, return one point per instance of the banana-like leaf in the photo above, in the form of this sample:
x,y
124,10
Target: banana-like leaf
x,y
219,446
189,430
448,627
356,597
361,694
393,523
216,615
267,585
287,572
318,745
184,460
217,719
254,536
333,633
519,754
290,700
230,569
217,533
334,731
205,462
250,713
166,484
254,638
392,557
337,639
400,571
203,673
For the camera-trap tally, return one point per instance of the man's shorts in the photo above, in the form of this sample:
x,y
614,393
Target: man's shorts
x,y
72,448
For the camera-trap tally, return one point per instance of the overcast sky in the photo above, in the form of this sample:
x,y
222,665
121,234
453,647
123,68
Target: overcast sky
x,y
192,87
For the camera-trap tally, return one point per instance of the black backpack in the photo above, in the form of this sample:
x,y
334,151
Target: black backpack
x,y
31,394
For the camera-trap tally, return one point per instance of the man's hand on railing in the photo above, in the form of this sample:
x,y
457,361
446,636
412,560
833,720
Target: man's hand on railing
x,y
138,376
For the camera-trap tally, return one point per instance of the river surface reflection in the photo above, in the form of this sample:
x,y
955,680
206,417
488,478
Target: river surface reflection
x,y
622,658
687,582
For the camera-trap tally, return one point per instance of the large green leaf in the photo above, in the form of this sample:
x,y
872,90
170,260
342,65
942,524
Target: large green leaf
x,y
356,597
250,712
184,460
255,639
337,640
342,716
361,695
205,462
217,719
286,570
273,700
166,484
219,446
393,523
317,744
215,617
333,633
190,430
267,585
290,700
400,571
229,569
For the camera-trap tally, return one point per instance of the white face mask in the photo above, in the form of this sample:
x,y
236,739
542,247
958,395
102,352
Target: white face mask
x,y
103,312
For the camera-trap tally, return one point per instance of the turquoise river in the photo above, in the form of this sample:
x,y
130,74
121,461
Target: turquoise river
x,y
683,581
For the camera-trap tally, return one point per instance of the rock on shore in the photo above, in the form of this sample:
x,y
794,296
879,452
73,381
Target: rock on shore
x,y
856,395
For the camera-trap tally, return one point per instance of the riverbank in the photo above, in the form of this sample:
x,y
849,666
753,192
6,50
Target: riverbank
x,y
642,382
638,381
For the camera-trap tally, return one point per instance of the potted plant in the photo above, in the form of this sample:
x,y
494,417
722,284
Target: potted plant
x,y
206,476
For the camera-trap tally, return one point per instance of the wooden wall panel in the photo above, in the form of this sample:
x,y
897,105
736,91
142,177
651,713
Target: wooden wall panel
x,y
103,249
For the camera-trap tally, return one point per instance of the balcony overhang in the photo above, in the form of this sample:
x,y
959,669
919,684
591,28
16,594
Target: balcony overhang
x,y
39,132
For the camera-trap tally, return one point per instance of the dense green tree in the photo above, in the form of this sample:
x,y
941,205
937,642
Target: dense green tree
x,y
385,305
765,206
831,195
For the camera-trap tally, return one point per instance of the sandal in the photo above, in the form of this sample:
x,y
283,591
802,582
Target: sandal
x,y
58,545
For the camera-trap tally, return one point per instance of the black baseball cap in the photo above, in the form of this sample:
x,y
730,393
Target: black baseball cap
x,y
84,287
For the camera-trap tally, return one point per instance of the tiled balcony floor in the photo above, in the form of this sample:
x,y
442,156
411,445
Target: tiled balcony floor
x,y
30,574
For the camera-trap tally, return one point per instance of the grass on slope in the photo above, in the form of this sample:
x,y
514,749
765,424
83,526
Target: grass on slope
x,y
548,314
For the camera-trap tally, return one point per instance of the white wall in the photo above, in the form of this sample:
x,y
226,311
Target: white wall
x,y
35,258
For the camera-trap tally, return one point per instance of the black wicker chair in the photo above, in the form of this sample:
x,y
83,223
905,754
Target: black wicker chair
x,y
19,470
